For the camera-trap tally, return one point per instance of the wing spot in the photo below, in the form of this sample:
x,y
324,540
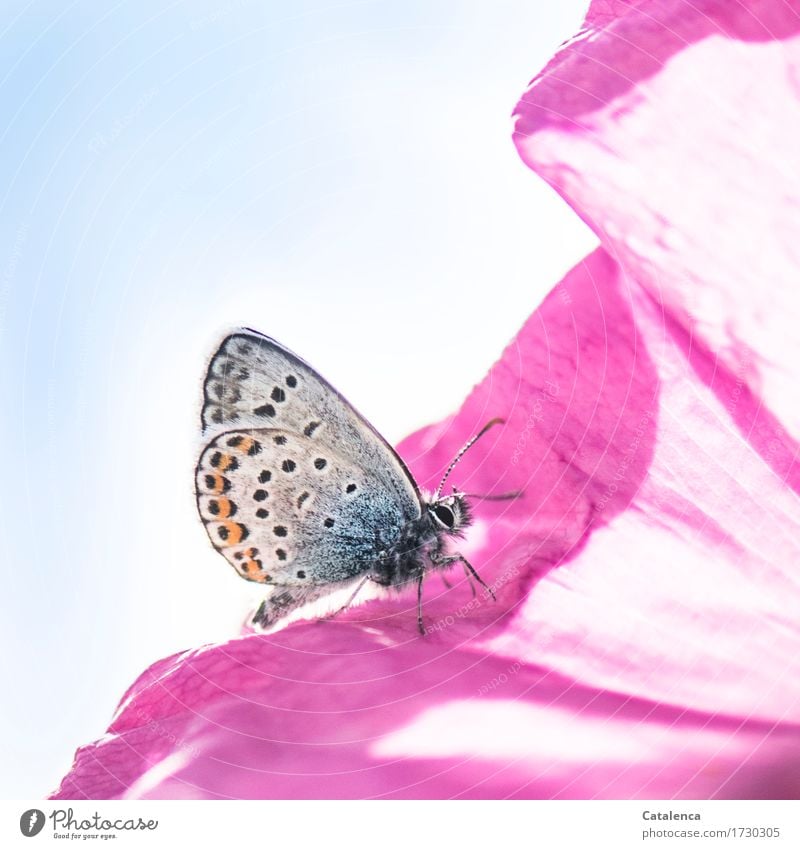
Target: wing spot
x,y
237,555
279,440
351,488
288,465
301,574
232,532
245,350
260,495
302,498
329,523
217,484
224,508
320,463
229,463
278,395
280,531
224,462
291,381
262,513
265,476
245,445
265,410
216,415
280,554
309,429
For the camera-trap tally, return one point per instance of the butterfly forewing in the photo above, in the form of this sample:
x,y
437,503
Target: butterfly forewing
x,y
253,382
294,487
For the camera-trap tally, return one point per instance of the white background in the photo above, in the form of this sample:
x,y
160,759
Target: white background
x,y
340,177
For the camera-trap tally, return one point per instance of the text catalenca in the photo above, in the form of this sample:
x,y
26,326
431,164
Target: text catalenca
x,y
669,815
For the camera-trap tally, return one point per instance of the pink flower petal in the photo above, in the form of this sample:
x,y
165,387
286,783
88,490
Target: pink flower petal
x,y
645,640
697,199
673,131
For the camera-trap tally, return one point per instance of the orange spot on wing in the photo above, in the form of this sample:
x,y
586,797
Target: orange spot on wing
x,y
225,506
230,533
217,483
254,573
225,462
248,566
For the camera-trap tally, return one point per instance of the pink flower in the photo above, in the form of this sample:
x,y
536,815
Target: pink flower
x,y
645,641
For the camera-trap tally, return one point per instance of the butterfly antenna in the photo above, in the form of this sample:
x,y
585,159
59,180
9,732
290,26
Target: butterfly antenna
x,y
488,426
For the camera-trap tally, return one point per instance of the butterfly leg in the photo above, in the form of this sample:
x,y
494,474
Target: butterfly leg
x,y
351,599
468,569
419,605
436,560
471,582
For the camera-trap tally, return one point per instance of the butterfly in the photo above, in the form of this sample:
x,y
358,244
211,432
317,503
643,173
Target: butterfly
x,y
300,493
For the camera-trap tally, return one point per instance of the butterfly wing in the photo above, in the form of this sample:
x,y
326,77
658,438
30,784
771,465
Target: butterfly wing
x,y
295,487
286,509
253,382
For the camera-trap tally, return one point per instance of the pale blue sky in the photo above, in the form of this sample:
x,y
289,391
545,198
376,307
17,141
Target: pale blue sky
x,y
337,175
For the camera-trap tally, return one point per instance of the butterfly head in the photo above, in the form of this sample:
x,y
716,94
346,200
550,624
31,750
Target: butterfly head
x,y
451,514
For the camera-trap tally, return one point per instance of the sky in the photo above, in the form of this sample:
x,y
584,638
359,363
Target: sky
x,y
339,176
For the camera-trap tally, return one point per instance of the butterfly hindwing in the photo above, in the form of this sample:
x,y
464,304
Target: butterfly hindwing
x,y
255,383
285,509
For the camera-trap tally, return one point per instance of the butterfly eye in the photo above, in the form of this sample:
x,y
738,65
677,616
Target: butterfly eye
x,y
444,515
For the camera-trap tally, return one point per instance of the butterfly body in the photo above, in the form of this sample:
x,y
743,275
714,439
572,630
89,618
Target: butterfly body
x,y
299,492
